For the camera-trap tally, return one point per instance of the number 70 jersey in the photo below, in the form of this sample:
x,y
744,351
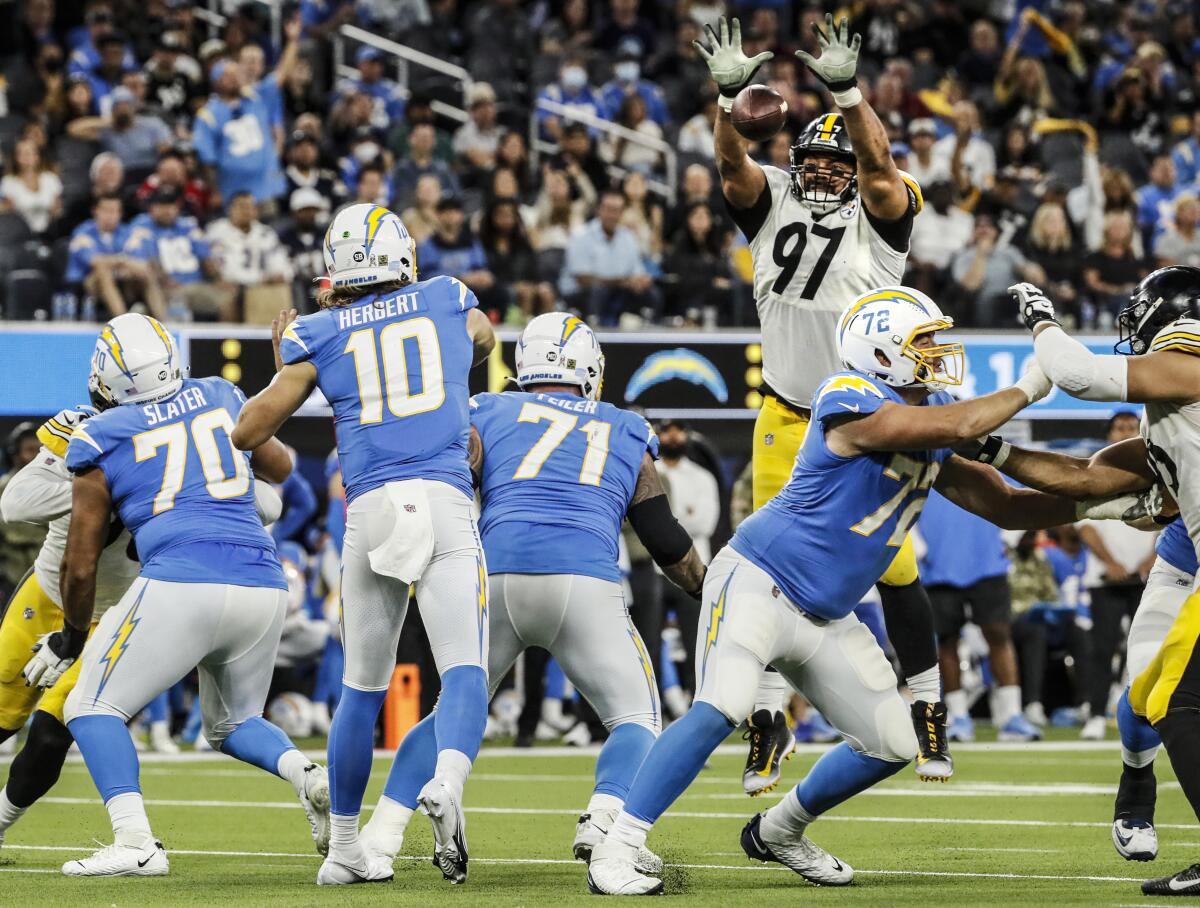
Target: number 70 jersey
x,y
806,272
832,531
394,368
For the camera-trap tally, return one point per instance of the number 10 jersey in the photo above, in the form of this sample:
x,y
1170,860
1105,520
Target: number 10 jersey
x,y
807,270
394,369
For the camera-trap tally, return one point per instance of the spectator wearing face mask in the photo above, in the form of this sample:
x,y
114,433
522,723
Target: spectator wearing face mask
x,y
387,99
134,137
571,90
627,80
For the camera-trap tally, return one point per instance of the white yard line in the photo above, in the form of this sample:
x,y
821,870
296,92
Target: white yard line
x,y
559,861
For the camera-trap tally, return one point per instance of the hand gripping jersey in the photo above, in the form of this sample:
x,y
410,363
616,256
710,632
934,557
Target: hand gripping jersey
x,y
835,527
1172,433
807,270
559,472
394,368
181,487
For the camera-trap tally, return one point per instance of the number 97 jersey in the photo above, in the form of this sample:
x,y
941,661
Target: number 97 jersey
x,y
832,531
394,369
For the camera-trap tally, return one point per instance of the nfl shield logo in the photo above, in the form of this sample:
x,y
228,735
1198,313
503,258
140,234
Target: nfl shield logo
x,y
411,508
27,614
768,439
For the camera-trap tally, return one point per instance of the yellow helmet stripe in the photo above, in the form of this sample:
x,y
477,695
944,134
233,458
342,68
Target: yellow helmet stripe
x,y
162,334
114,348
373,220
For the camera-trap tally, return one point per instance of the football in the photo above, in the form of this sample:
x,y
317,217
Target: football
x,y
758,112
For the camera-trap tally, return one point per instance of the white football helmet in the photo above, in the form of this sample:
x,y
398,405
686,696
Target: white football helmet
x,y
558,348
136,360
367,244
877,333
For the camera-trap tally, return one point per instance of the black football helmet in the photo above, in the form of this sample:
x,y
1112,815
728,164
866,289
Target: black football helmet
x,y
826,136
1163,296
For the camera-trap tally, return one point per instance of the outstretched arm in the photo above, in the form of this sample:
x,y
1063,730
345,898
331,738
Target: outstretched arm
x,y
667,542
270,408
980,490
1119,468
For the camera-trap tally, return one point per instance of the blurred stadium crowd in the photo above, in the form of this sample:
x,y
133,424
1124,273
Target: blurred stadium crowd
x,y
185,157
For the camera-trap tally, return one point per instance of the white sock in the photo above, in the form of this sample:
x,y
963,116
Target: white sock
x,y
773,693
926,685
343,830
453,767
956,703
599,802
1131,758
9,812
130,824
787,820
629,830
291,766
387,824
1008,703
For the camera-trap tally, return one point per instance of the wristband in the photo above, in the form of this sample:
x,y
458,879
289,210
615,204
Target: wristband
x,y
73,640
848,98
725,103
994,451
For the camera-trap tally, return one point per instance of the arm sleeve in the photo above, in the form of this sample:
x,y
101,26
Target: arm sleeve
x,y
1079,371
895,233
38,493
750,220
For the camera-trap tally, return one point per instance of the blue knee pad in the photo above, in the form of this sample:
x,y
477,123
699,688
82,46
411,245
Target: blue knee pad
x,y
1137,734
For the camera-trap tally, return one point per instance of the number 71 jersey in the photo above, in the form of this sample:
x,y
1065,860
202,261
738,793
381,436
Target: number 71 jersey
x,y
832,531
394,368
807,270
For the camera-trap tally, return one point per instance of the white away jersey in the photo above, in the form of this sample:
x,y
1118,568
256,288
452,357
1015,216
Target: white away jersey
x,y
1172,433
249,257
807,270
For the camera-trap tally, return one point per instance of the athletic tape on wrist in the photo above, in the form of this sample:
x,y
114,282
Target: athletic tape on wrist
x,y
725,103
848,98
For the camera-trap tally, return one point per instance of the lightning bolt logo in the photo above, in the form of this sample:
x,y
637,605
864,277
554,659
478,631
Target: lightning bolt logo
x,y
120,642
570,326
114,348
481,599
851,383
647,666
716,615
374,218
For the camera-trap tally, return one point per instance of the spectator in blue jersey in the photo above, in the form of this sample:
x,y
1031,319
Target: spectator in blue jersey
x,y
387,99
623,27
1186,156
323,17
1156,199
86,57
110,68
97,263
181,258
571,90
455,251
252,69
603,275
1069,621
135,137
965,570
420,162
627,80
299,506
236,133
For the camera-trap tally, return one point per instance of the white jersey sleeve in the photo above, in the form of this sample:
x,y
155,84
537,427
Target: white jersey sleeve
x,y
39,492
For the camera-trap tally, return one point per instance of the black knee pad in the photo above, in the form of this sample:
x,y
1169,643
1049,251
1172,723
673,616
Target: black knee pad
x,y
37,767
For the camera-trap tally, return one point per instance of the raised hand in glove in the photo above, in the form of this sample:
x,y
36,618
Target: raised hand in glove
x,y
53,654
1035,306
731,69
837,66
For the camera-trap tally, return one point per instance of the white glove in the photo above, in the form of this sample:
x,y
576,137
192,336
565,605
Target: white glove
x,y
1034,304
1034,383
837,66
731,69
1140,510
47,666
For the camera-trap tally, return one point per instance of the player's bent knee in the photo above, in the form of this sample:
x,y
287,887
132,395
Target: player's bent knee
x,y
896,742
650,721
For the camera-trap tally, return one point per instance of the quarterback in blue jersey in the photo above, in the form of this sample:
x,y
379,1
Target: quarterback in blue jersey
x,y
163,462
559,472
391,355
783,591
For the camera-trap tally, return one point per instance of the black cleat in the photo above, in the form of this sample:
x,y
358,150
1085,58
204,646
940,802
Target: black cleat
x,y
934,763
771,740
1186,882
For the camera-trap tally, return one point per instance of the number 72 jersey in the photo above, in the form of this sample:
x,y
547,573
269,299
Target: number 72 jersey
x,y
832,531
807,270
394,368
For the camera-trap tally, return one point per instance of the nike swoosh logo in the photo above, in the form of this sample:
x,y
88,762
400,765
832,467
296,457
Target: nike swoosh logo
x,y
766,771
1124,839
837,865
1180,886
853,408
145,862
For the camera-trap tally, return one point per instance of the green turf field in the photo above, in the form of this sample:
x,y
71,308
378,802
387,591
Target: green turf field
x,y
1026,825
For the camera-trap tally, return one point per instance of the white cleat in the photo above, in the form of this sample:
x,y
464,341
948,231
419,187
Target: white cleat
x,y
1094,729
160,738
438,803
809,860
315,800
375,847
122,860
590,832
348,866
1135,840
613,871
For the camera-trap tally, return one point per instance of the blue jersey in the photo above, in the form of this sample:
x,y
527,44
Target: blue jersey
x,y
185,492
1069,571
949,532
831,532
180,248
558,475
87,242
394,369
1176,549
236,139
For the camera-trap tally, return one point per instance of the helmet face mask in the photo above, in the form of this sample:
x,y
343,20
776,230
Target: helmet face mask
x,y
817,183
1162,298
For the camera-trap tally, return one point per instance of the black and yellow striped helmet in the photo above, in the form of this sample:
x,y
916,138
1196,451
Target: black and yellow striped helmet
x,y
825,136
